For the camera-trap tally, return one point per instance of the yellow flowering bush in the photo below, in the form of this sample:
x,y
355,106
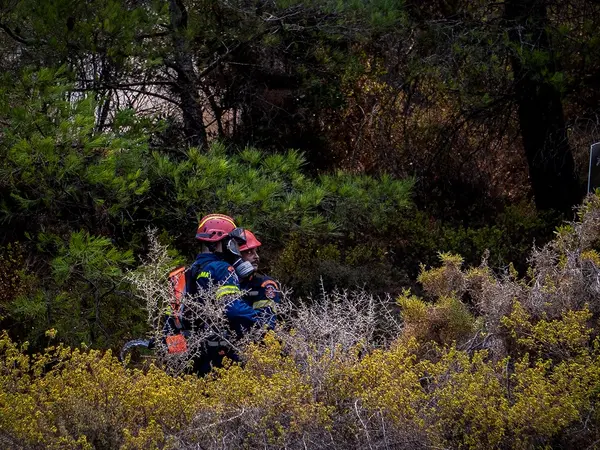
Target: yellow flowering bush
x,y
467,403
73,399
559,338
67,398
446,320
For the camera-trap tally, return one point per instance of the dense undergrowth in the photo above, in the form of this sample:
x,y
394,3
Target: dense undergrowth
x,y
76,203
483,360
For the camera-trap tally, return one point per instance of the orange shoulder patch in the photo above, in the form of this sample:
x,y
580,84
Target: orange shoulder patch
x,y
271,283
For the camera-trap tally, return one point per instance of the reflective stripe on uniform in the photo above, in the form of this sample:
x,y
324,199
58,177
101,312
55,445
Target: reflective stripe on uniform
x,y
176,315
263,304
227,290
217,343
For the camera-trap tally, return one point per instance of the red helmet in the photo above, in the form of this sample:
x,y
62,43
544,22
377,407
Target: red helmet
x,y
214,227
251,242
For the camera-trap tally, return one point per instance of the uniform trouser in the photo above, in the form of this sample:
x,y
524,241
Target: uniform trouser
x,y
212,357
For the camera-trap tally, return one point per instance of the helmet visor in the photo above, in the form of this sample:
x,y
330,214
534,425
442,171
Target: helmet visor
x,y
233,247
239,234
238,237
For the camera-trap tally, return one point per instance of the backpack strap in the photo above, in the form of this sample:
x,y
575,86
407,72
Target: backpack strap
x,y
178,281
190,281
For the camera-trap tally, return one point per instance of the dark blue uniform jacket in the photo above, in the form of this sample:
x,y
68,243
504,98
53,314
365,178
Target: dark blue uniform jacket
x,y
210,269
263,294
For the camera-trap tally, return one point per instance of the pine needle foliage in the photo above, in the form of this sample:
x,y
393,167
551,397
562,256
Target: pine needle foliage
x,y
85,299
71,185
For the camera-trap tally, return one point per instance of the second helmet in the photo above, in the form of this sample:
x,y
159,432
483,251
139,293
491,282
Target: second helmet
x,y
251,242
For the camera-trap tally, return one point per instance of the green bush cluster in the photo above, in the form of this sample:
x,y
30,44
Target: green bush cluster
x,y
307,265
14,277
509,238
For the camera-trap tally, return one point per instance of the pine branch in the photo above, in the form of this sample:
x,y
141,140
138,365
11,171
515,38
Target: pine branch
x,y
18,38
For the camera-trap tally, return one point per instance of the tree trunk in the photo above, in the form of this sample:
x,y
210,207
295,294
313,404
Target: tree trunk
x,y
549,157
186,85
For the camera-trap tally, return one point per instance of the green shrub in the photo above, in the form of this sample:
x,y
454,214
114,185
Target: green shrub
x,y
83,296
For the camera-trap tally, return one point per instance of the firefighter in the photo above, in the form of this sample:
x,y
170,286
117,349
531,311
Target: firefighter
x,y
220,264
261,291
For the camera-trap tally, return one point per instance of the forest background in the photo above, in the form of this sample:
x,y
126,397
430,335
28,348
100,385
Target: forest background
x,y
358,139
